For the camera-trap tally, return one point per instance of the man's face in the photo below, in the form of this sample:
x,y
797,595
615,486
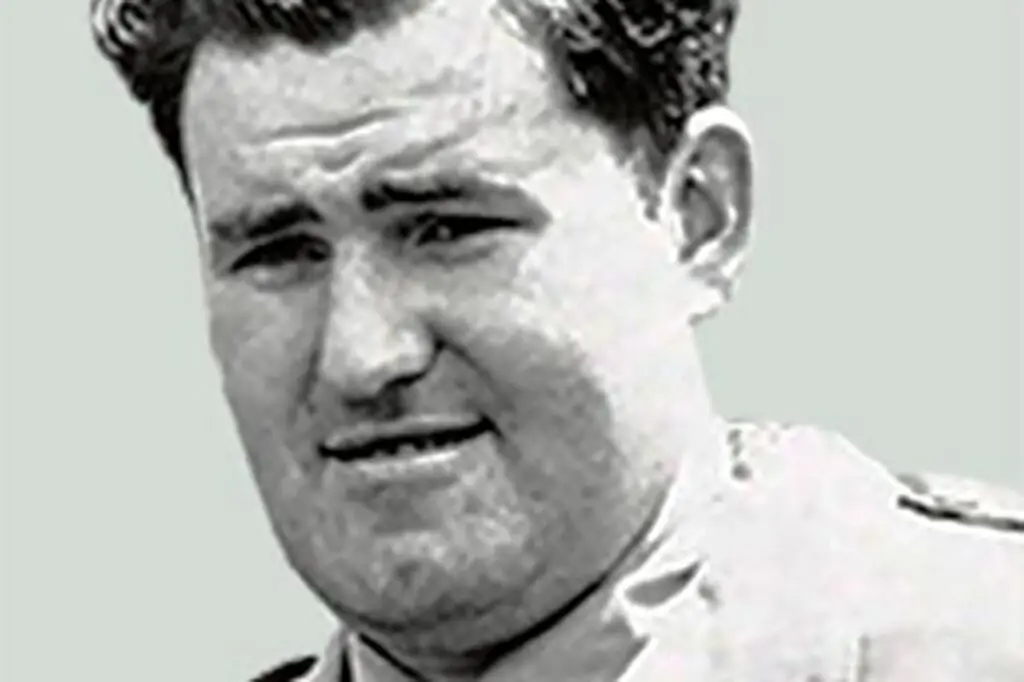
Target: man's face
x,y
457,354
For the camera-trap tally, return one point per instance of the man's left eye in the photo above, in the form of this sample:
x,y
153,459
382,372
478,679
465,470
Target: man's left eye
x,y
432,228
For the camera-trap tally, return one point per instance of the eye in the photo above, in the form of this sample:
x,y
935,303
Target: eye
x,y
428,229
282,262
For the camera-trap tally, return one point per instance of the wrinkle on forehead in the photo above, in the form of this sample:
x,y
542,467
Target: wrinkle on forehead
x,y
447,77
444,84
314,132
400,135
477,148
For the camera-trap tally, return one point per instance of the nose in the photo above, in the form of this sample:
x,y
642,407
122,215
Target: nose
x,y
373,339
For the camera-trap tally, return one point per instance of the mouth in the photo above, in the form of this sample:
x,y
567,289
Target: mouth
x,y
406,439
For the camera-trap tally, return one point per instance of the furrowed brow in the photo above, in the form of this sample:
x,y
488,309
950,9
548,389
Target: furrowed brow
x,y
386,191
253,223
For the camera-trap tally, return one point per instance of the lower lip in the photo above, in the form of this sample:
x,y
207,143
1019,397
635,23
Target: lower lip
x,y
437,464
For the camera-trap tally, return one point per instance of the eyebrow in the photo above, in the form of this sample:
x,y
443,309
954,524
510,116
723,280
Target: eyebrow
x,y
385,191
252,223
255,222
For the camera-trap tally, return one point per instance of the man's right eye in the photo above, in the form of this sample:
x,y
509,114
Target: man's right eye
x,y
284,262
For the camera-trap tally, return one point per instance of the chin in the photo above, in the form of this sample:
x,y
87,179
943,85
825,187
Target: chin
x,y
417,582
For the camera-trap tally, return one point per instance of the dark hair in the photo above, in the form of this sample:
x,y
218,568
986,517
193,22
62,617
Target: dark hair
x,y
639,68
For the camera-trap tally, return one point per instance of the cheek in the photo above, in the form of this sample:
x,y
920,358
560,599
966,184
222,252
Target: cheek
x,y
539,380
571,343
264,345
612,295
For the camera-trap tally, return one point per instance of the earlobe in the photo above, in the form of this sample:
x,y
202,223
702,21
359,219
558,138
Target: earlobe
x,y
707,202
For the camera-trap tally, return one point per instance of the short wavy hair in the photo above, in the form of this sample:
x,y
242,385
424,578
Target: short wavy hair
x,y
639,68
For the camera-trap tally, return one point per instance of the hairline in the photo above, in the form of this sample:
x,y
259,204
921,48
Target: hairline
x,y
622,151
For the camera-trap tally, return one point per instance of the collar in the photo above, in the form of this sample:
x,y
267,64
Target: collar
x,y
621,627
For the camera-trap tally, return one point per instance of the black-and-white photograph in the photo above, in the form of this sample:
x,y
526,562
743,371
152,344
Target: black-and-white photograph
x,y
513,341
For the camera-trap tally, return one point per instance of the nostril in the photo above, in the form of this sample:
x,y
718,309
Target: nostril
x,y
365,355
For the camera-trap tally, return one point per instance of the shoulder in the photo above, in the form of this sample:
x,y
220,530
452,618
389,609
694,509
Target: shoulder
x,y
331,664
956,555
938,656
824,471
962,502
899,551
290,671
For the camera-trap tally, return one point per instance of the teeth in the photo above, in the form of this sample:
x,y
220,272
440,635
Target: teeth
x,y
410,446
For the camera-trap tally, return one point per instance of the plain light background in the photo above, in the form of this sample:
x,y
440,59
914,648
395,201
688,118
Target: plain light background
x,y
882,299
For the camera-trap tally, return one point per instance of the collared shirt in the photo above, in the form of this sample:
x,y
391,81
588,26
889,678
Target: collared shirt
x,y
800,560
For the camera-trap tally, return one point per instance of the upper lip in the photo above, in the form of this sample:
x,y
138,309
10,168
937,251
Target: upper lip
x,y
364,439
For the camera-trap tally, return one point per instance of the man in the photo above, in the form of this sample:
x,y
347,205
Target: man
x,y
453,251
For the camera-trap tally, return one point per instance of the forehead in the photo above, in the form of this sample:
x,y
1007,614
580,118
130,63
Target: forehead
x,y
455,73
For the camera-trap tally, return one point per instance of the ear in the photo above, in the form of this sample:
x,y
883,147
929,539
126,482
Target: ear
x,y
706,202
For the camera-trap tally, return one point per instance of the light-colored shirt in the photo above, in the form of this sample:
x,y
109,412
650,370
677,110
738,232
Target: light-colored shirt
x,y
799,560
